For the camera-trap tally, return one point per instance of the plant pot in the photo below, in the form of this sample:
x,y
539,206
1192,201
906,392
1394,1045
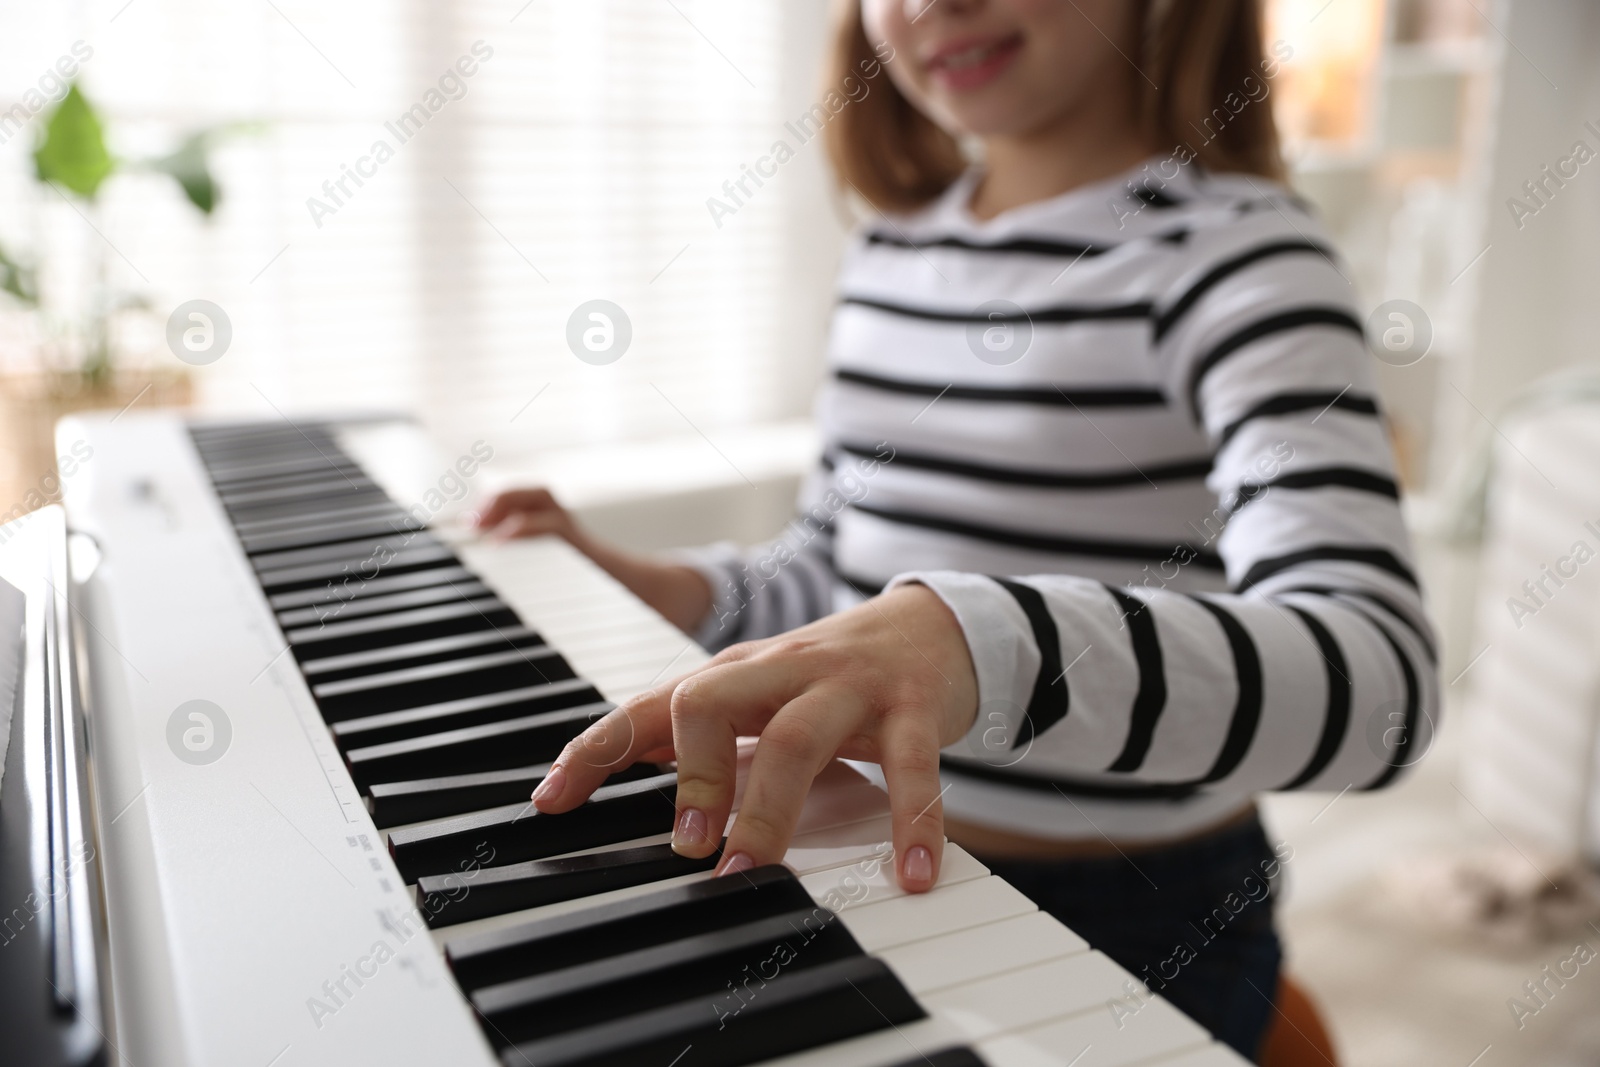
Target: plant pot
x,y
30,405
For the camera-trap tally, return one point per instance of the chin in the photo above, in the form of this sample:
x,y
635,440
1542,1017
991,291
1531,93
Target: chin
x,y
996,117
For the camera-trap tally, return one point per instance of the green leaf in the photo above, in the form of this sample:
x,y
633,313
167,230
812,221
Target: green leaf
x,y
190,165
18,280
73,151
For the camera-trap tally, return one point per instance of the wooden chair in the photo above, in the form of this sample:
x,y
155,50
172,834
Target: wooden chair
x,y
1296,1036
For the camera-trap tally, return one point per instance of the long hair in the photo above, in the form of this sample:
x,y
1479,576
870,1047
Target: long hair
x,y
1203,92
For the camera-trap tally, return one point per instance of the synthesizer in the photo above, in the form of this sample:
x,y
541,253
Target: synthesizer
x,y
273,727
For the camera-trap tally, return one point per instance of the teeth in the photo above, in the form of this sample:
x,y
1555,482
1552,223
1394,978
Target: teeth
x,y
970,57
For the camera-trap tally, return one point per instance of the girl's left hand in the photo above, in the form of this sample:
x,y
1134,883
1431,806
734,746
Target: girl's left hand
x,y
890,682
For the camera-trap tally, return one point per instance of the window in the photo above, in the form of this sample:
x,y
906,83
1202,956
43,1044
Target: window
x,y
531,160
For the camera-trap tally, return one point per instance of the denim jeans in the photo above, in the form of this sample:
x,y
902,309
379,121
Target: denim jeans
x,y
1193,921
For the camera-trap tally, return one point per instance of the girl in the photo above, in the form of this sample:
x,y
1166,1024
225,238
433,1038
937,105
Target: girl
x,y
1105,537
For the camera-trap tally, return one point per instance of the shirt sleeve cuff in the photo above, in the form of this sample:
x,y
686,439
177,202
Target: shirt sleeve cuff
x,y
1003,655
721,565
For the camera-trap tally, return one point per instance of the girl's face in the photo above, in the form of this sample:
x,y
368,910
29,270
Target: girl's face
x,y
1007,68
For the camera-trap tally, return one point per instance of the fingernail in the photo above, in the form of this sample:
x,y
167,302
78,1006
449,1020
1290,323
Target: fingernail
x,y
919,864
550,788
692,830
735,863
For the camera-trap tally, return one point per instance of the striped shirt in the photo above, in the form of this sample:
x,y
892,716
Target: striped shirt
x,y
1130,436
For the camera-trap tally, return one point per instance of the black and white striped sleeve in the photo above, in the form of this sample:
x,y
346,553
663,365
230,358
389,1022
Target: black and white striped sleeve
x,y
1315,670
790,581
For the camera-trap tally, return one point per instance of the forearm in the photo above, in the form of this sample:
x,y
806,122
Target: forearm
x,y
677,592
763,590
1283,690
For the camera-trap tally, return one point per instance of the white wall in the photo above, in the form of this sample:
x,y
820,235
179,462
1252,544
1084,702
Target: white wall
x,y
1528,307
1535,288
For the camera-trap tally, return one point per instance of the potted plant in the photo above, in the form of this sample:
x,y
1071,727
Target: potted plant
x,y
74,363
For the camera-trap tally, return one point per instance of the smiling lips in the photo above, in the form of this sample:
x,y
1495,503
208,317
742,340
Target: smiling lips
x,y
972,64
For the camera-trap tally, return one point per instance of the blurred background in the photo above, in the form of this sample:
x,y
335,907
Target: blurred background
x,y
154,152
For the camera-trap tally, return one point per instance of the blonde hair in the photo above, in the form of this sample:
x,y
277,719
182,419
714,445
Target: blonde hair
x,y
1197,56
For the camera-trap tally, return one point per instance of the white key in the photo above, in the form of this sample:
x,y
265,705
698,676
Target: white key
x,y
841,793
1093,1039
851,888
602,657
1213,1055
598,618
1015,1000
865,843
514,918
583,616
939,911
626,659
910,1043
967,955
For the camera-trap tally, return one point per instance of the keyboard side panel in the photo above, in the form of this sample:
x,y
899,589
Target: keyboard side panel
x,y
253,912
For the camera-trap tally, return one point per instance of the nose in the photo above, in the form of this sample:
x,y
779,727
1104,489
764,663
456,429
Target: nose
x,y
915,9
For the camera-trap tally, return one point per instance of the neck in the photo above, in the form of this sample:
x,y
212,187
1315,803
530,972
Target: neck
x,y
1078,150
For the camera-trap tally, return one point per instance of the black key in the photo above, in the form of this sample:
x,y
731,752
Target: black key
x,y
949,1057
234,471
410,687
471,711
352,587
418,653
258,461
288,520
333,472
281,473
330,480
464,588
242,448
305,508
457,898
491,746
332,487
520,832
398,803
341,637
547,944
687,968
257,448
322,533
792,1012
351,550
318,574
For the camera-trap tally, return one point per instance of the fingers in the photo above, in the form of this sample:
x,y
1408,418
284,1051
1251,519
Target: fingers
x,y
622,737
794,747
911,769
529,524
504,505
641,729
709,712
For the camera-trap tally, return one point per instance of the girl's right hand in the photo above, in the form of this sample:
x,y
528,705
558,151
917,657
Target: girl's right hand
x,y
675,591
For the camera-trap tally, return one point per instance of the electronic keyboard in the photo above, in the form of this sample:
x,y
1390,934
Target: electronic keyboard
x,y
273,727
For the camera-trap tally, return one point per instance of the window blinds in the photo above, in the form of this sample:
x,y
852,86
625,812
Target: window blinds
x,y
430,190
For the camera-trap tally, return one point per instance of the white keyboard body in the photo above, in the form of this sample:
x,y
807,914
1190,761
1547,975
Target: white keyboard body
x,y
236,890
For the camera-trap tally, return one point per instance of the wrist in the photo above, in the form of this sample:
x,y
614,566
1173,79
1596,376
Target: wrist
x,y
935,631
677,592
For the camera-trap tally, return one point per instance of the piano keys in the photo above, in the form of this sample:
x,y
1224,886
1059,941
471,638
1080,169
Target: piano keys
x,y
367,845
